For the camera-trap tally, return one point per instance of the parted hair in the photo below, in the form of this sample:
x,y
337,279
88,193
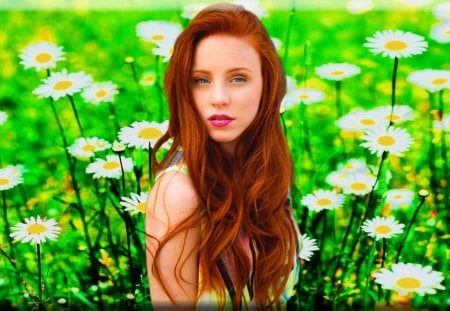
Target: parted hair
x,y
247,191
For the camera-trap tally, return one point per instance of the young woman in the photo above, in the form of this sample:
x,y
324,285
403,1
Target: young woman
x,y
219,229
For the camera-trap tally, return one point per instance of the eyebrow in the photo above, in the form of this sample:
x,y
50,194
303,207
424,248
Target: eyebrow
x,y
228,71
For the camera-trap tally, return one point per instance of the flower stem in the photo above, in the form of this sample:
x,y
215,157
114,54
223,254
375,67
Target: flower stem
x,y
7,225
113,116
394,81
408,228
369,272
38,252
159,88
122,175
75,112
288,33
445,172
372,192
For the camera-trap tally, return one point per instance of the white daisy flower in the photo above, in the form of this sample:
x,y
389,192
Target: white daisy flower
x,y
109,168
86,147
353,166
3,117
60,84
290,99
100,92
191,10
430,79
36,230
358,184
393,140
442,125
359,6
136,203
408,278
253,6
382,227
399,197
142,134
323,199
277,43
441,32
158,31
396,44
361,120
42,55
400,114
310,96
10,177
442,11
307,247
165,50
337,179
148,78
337,71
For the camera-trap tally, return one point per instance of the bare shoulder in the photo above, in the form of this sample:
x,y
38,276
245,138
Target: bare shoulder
x,y
171,200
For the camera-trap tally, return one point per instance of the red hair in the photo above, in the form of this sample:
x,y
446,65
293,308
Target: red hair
x,y
248,191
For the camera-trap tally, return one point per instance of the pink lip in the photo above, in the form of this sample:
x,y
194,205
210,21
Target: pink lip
x,y
220,120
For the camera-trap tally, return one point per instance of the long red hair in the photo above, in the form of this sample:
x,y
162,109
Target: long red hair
x,y
247,191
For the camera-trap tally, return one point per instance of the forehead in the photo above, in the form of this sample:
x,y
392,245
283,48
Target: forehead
x,y
223,50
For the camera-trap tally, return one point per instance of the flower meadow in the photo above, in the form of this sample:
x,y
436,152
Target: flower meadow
x,y
366,116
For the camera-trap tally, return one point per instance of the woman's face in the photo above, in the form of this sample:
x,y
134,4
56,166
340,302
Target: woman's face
x,y
226,86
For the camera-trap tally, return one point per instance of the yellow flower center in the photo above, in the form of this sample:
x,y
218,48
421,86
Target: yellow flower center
x,y
383,229
158,37
386,140
142,207
337,73
304,96
4,181
398,196
62,85
88,147
358,186
394,117
101,93
367,121
408,282
36,229
324,202
43,57
395,45
439,81
349,167
149,133
149,79
111,165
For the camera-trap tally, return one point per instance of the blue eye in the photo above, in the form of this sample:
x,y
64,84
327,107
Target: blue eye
x,y
239,79
201,81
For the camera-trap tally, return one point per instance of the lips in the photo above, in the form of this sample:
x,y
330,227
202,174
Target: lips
x,y
220,120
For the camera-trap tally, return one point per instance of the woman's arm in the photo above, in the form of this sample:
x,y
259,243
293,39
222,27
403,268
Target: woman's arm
x,y
171,201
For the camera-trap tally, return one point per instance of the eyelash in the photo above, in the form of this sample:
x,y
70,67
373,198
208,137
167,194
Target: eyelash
x,y
237,79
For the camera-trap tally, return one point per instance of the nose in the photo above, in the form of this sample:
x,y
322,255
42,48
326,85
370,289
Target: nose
x,y
220,96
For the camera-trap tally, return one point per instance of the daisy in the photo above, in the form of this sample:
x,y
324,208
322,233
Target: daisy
x,y
441,32
323,199
358,184
158,31
396,43
401,113
361,120
309,96
164,49
442,11
191,10
338,179
100,92
353,166
118,147
3,117
430,79
392,140
36,230
148,78
142,134
359,6
337,71
136,203
410,278
307,247
399,197
42,55
60,84
10,177
252,6
290,99
382,227
109,168
86,147
416,3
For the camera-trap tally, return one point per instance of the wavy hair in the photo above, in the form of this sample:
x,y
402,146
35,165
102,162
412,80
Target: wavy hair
x,y
247,191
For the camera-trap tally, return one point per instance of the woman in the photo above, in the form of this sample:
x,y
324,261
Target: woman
x,y
219,229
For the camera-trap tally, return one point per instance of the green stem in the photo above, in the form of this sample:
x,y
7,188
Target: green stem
x,y
394,81
7,225
372,192
445,172
113,116
159,88
75,112
369,272
38,252
287,39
